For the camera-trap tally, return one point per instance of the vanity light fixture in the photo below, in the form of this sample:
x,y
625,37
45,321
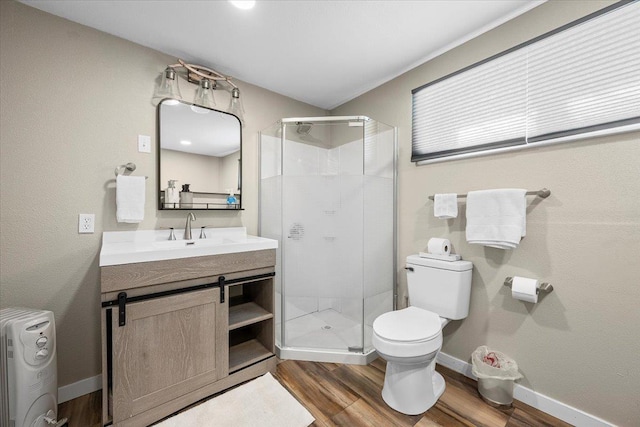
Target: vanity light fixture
x,y
168,87
207,80
235,105
204,94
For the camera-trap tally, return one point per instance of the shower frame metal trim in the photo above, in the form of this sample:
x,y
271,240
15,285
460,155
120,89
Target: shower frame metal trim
x,y
324,119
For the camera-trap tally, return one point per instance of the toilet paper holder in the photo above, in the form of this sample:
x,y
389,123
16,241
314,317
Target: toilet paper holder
x,y
542,287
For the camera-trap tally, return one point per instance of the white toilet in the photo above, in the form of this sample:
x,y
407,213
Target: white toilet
x,y
409,339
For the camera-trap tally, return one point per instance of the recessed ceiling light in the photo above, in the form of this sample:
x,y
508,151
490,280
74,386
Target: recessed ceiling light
x,y
185,142
243,4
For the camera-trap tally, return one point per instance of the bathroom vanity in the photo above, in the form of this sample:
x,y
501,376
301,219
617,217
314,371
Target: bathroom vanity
x,y
182,320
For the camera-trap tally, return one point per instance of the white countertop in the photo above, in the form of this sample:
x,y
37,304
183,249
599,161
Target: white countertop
x,y
128,247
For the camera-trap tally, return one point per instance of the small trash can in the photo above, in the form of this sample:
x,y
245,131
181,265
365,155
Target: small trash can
x,y
496,373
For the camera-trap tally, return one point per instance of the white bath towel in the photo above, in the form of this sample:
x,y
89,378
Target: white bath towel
x,y
130,194
445,206
496,218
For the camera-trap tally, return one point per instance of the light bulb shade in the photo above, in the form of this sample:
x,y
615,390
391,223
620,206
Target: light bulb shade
x,y
235,105
168,87
204,94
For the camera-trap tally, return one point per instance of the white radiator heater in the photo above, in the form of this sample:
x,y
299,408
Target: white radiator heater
x,y
28,371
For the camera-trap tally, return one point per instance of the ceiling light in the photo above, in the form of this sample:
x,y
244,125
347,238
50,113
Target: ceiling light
x,y
244,5
200,110
185,142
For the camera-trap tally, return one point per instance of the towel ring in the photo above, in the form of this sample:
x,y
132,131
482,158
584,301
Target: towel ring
x,y
128,167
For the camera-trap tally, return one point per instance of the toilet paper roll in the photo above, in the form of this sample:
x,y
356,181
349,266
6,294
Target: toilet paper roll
x,y
524,289
439,246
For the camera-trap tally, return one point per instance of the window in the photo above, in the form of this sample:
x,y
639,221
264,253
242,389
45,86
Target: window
x,y
578,80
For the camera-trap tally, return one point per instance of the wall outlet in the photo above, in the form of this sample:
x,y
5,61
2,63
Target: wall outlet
x,y
86,223
144,144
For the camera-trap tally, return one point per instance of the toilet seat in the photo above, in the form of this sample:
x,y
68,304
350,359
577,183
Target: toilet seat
x,y
409,332
408,325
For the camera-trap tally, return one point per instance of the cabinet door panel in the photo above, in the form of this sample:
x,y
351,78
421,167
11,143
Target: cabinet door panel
x,y
168,347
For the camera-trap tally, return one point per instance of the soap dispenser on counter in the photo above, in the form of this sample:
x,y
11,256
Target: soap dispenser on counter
x,y
186,197
171,195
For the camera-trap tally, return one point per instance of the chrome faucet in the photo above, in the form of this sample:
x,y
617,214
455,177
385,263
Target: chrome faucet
x,y
187,228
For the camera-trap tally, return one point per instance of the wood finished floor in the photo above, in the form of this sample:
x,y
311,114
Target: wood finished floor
x,y
349,395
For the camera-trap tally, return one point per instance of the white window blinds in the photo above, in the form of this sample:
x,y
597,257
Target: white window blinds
x,y
581,78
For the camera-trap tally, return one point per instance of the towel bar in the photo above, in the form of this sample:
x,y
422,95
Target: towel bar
x,y
542,287
543,194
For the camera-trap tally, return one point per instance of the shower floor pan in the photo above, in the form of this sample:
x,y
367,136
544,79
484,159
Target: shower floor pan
x,y
325,336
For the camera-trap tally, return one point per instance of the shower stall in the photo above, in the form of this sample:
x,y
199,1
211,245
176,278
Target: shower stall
x,y
328,195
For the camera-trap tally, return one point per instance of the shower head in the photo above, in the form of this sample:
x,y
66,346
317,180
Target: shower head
x,y
303,128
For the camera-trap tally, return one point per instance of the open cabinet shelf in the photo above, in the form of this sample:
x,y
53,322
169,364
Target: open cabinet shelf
x,y
247,314
251,320
247,353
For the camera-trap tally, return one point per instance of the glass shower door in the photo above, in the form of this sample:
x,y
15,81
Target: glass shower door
x,y
322,224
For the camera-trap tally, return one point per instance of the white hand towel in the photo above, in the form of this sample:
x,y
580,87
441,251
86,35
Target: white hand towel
x,y
445,206
496,218
130,194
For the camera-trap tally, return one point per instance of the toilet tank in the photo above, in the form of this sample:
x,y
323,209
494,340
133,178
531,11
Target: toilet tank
x,y
443,287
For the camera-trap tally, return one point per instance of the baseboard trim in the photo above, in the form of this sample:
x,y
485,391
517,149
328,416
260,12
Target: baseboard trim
x,y
79,388
539,401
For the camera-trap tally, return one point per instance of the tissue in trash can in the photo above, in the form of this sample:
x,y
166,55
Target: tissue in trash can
x,y
491,359
488,363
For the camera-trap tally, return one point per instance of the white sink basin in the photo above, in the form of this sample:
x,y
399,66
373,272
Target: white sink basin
x,y
127,247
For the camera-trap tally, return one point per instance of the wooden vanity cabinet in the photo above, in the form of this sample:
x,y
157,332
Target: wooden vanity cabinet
x,y
177,331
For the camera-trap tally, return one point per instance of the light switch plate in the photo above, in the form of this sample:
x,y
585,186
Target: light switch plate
x,y
86,223
144,144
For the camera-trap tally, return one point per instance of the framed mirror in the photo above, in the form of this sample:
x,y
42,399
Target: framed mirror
x,y
199,157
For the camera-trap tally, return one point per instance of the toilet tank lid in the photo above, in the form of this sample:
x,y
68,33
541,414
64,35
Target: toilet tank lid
x,y
436,263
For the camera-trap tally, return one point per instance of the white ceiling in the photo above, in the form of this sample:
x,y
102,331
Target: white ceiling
x,y
323,53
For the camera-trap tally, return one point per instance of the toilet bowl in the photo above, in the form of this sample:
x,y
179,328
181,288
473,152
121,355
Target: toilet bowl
x,y
410,339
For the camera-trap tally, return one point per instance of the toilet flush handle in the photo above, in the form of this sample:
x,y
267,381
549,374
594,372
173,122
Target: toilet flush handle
x,y
409,268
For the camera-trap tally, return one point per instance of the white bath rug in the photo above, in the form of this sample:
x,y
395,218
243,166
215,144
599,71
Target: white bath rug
x,y
262,402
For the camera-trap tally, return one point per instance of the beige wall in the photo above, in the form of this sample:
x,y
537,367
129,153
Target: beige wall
x,y
202,173
580,343
73,101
